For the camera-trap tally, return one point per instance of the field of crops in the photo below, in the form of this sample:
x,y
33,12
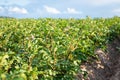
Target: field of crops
x,y
51,49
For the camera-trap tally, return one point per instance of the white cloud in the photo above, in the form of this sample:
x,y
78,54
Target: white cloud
x,y
17,10
72,11
1,9
101,2
52,10
116,10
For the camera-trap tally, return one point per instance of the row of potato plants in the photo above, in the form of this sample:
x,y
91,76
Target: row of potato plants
x,y
51,49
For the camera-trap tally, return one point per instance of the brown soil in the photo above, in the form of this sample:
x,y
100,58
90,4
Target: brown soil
x,y
108,65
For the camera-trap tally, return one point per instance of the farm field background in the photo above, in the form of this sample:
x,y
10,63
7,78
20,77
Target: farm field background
x,y
52,49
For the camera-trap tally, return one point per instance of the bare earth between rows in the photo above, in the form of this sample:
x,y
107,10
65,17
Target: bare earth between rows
x,y
108,65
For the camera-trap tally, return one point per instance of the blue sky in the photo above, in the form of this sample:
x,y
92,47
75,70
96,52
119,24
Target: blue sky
x,y
59,8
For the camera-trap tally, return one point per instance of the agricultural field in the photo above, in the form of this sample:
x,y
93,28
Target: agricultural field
x,y
52,49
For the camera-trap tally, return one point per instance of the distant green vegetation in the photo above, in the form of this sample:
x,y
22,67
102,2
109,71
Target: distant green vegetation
x,y
51,49
6,17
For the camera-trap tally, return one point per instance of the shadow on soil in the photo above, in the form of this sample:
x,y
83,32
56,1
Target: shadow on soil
x,y
108,65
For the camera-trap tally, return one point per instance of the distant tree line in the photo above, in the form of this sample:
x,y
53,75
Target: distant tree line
x,y
6,17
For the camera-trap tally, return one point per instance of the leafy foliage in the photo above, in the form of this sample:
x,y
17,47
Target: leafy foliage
x,y
51,49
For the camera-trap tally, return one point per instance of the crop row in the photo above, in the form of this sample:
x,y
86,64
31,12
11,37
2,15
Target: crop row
x,y
51,49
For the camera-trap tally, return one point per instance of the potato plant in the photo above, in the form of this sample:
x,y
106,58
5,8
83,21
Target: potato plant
x,y
51,49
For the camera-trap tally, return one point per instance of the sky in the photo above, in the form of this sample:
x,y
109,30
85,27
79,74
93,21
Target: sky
x,y
59,8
